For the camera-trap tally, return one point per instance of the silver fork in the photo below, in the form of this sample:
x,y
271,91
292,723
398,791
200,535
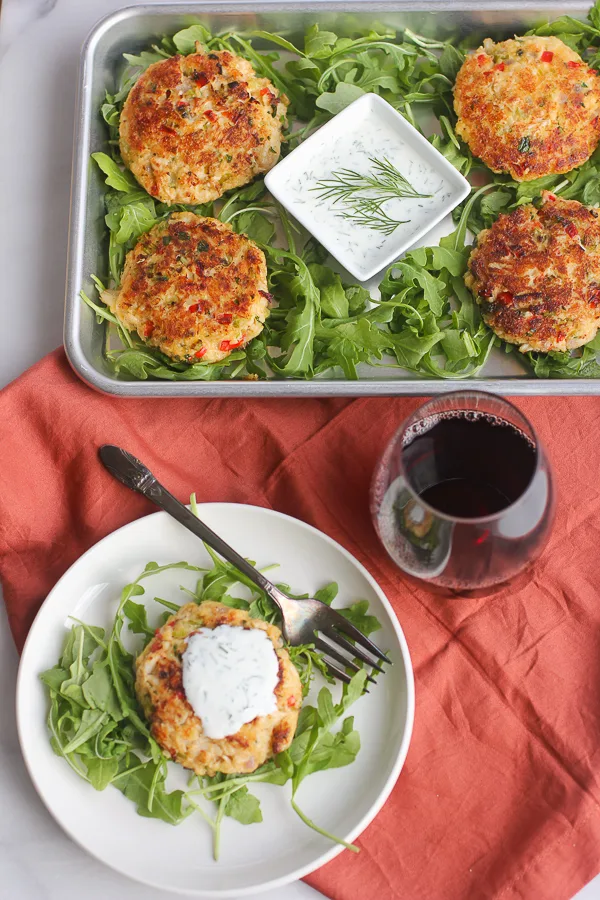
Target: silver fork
x,y
304,621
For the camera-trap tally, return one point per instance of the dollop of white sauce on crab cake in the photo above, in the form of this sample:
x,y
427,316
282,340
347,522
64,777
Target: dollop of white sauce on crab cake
x,y
229,677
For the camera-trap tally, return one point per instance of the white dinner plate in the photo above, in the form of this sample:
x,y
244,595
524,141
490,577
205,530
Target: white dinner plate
x,y
253,857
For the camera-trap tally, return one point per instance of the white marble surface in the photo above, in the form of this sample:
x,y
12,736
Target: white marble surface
x,y
37,861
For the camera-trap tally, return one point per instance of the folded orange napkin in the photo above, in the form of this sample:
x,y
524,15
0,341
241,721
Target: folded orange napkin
x,y
499,796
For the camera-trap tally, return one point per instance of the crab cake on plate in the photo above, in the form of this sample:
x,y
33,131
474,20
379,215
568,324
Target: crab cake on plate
x,y
196,126
175,726
528,106
536,275
193,288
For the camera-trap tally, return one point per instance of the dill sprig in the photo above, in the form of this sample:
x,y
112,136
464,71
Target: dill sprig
x,y
386,180
362,196
368,212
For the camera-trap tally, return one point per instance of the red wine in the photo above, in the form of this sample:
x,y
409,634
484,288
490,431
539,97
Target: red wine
x,y
468,464
463,501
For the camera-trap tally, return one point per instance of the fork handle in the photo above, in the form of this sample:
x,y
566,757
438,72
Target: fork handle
x,y
160,496
127,469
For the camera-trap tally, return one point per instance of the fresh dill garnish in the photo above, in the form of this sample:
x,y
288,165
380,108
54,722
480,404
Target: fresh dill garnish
x,y
369,212
362,196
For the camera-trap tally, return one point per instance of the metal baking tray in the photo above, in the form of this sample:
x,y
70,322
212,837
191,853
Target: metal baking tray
x,y
130,30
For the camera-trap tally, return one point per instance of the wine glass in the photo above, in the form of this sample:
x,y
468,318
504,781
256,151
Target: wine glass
x,y
462,496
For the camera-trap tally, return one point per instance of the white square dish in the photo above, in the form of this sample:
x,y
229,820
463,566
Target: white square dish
x,y
367,134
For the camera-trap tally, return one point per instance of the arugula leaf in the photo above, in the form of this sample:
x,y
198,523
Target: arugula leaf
x,y
101,771
119,179
358,297
492,204
565,25
321,751
411,347
99,691
138,618
147,363
358,615
583,363
111,115
128,220
140,782
90,724
185,40
334,301
297,339
54,677
355,342
253,222
277,39
337,100
318,44
244,807
80,644
439,332
335,750
455,155
451,59
411,271
453,261
327,594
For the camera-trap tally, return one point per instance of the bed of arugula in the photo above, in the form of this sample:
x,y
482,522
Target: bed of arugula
x,y
97,726
425,320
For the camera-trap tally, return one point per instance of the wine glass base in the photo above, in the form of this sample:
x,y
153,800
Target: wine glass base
x,y
515,583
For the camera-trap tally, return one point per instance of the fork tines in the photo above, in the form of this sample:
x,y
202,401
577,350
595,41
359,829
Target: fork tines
x,y
331,642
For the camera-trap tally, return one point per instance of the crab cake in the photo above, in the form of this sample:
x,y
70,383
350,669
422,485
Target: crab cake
x,y
195,126
193,288
536,275
173,723
528,106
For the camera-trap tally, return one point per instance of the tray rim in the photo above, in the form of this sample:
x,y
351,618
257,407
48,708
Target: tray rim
x,y
509,385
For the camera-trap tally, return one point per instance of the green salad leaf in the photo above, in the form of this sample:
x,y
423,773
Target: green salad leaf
x,y
185,40
97,726
116,177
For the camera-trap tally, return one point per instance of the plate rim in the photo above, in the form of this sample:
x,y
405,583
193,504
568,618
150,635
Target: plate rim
x,y
336,849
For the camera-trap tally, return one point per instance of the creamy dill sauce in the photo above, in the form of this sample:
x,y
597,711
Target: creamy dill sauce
x,y
370,137
229,677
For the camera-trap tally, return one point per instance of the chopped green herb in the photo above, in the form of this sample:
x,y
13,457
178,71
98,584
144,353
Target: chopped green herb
x,y
524,145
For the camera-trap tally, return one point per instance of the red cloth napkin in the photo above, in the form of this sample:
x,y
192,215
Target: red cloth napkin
x,y
499,796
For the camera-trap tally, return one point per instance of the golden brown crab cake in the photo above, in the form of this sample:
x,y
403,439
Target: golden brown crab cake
x,y
173,723
196,126
536,275
193,288
528,106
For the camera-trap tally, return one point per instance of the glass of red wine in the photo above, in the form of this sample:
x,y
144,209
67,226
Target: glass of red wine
x,y
462,497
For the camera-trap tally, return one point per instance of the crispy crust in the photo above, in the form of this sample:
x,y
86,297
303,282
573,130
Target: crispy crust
x,y
174,725
196,126
193,288
525,115
536,275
